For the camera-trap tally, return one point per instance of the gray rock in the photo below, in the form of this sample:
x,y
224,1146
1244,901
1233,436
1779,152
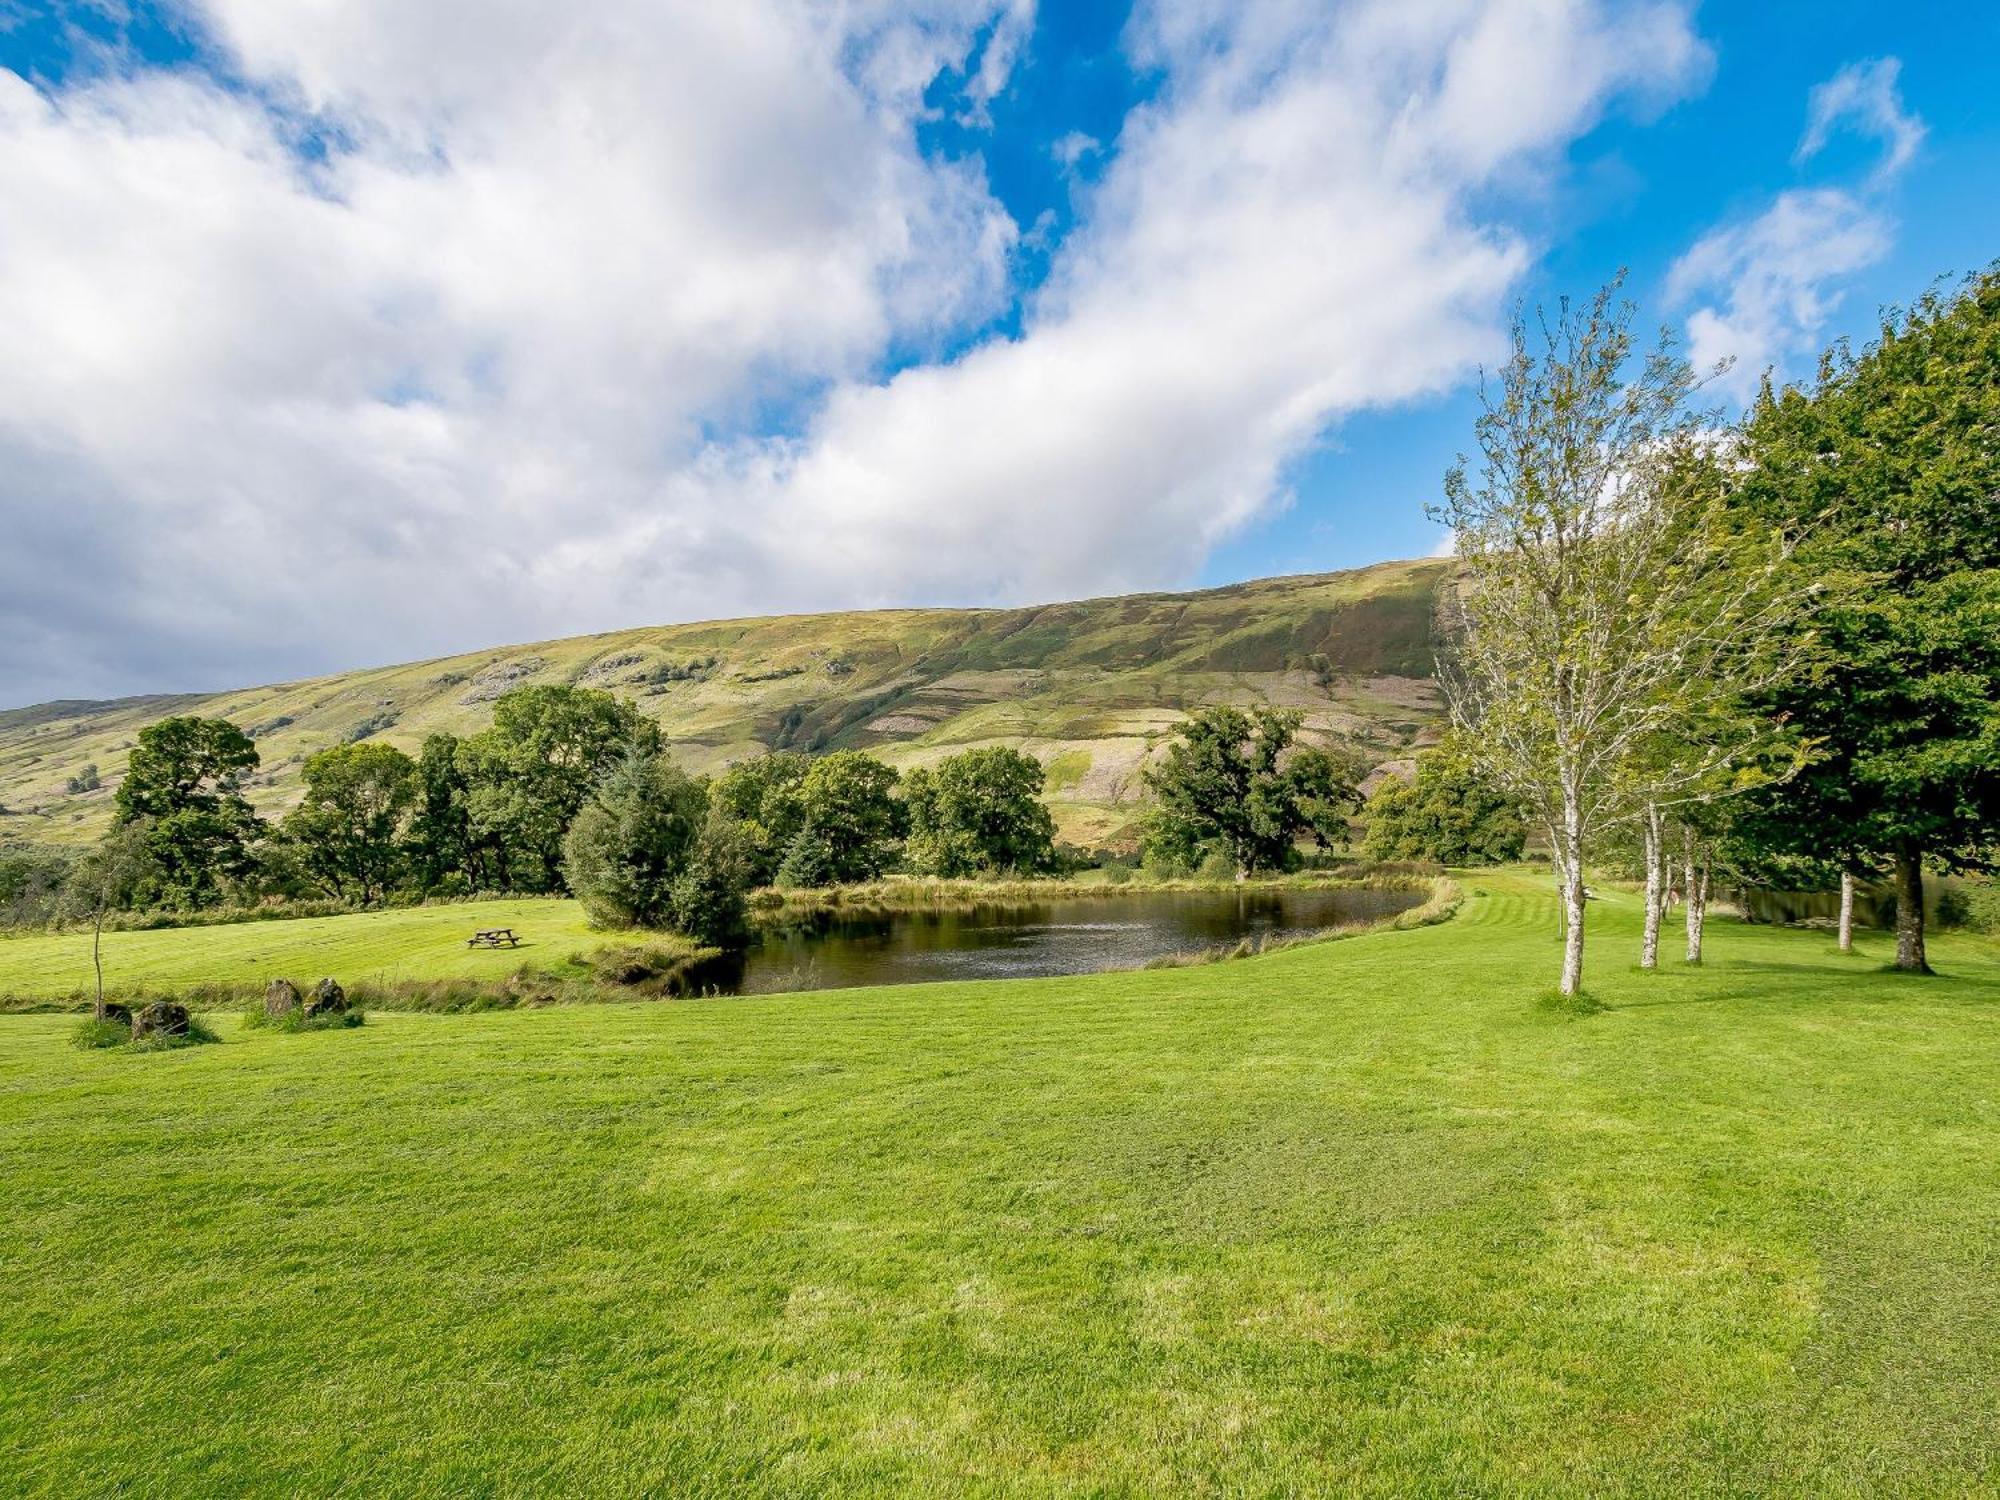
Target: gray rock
x,y
327,998
281,998
161,1018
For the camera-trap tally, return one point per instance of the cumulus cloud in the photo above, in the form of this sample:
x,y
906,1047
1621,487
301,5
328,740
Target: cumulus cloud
x,y
1768,284
444,323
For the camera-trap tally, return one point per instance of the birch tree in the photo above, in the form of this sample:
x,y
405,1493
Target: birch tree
x,y
1608,602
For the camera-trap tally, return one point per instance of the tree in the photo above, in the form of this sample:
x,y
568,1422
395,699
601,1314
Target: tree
x,y
439,843
766,798
1238,785
107,879
849,805
808,861
632,840
349,829
708,896
979,810
1447,811
1898,443
184,781
530,773
32,882
1607,601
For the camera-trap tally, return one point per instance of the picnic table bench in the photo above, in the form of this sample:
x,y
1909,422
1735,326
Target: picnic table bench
x,y
493,937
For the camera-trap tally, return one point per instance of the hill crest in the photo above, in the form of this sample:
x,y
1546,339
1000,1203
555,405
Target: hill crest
x,y
1087,686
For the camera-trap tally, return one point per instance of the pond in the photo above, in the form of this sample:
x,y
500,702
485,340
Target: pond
x,y
1077,935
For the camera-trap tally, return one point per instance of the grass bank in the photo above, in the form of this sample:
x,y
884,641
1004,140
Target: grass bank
x,y
912,893
1354,1218
385,955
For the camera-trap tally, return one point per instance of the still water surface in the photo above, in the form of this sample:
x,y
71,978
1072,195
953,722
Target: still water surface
x,y
1075,936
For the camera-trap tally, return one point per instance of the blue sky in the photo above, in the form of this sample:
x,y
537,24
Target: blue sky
x,y
688,312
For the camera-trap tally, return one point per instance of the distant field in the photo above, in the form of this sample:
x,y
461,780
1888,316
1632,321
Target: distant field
x,y
420,942
1352,1219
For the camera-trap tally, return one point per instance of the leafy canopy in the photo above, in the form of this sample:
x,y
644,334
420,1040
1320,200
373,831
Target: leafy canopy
x,y
979,811
184,779
1447,811
1236,784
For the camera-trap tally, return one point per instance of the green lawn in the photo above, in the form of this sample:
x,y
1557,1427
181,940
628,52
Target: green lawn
x,y
1355,1218
418,942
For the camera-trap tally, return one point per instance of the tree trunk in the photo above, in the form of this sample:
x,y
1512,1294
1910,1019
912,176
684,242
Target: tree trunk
x,y
1655,857
1571,863
97,960
1910,911
1697,900
1846,911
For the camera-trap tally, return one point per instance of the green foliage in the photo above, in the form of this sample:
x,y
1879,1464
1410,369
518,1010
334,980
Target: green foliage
x,y
708,895
1235,786
632,840
1448,812
979,812
31,885
348,832
766,798
86,780
808,861
849,803
1896,446
439,844
255,1019
530,773
91,1034
184,780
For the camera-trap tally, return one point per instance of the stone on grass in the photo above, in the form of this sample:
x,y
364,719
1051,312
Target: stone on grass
x,y
122,1014
281,998
161,1018
327,998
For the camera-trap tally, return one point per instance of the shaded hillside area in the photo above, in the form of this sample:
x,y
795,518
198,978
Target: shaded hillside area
x,y
1087,687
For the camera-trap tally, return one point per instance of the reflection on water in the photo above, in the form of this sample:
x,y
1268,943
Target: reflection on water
x,y
836,950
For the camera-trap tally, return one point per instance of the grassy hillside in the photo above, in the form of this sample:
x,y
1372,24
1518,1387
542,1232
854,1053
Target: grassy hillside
x,y
1083,686
1296,1225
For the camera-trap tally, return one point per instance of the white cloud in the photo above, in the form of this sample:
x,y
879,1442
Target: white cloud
x,y
1767,285
1864,97
496,365
1780,273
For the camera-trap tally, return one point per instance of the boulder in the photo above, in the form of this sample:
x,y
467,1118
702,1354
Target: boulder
x,y
327,998
122,1014
281,998
161,1018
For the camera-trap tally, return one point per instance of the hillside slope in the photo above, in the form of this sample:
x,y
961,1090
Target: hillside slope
x,y
1087,687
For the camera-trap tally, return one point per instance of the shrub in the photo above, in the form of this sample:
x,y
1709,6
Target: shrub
x,y
298,1020
91,1033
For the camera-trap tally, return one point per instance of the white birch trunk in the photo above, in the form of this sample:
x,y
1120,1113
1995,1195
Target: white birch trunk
x,y
1697,900
1655,857
1846,912
1572,894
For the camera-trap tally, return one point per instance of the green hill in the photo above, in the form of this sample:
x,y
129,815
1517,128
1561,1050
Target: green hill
x,y
1086,687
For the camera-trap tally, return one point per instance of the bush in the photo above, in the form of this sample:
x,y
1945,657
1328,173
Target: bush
x,y
91,1033
298,1020
632,841
708,897
1973,906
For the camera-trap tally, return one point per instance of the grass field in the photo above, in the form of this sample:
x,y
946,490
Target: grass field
x,y
417,942
1356,1218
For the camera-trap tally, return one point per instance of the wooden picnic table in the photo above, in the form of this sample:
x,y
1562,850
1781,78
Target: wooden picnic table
x,y
493,937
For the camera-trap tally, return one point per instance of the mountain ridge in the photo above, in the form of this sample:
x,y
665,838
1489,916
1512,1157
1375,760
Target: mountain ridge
x,y
1088,686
